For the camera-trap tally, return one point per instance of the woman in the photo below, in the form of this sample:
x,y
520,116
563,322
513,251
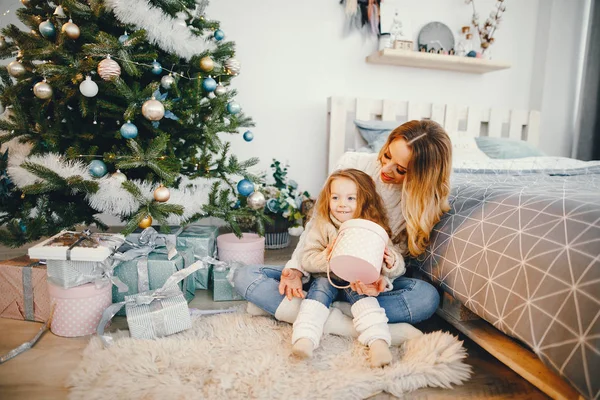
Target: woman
x,y
411,174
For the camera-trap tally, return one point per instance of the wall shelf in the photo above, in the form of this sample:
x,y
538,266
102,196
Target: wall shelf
x,y
417,59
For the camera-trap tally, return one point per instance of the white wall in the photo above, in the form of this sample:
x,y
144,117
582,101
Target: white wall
x,y
296,54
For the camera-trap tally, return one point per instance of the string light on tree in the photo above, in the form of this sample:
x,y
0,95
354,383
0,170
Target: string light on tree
x,y
245,187
207,64
153,109
162,194
167,81
128,130
97,169
109,69
16,69
146,222
88,87
47,29
71,30
156,68
42,90
219,35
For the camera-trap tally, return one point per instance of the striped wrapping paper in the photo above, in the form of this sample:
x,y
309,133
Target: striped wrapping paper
x,y
68,273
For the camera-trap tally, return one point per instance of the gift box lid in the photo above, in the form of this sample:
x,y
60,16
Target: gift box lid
x,y
76,246
248,241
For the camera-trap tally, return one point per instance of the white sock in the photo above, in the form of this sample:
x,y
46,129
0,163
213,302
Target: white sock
x,y
370,321
255,310
288,309
310,321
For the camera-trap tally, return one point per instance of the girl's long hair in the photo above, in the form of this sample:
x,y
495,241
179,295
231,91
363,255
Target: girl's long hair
x,y
426,187
368,202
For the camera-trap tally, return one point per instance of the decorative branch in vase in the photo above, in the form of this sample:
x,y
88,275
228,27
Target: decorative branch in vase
x,y
491,24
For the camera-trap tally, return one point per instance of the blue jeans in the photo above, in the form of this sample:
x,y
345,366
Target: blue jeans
x,y
322,291
411,300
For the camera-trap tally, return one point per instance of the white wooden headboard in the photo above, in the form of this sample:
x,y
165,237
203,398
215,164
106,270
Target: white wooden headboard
x,y
457,120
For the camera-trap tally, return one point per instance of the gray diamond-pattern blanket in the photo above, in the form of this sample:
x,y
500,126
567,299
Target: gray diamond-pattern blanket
x,y
522,251
237,356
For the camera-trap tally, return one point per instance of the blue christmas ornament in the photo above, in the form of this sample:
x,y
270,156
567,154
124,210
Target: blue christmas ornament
x,y
219,34
245,187
472,53
237,205
47,29
22,226
156,68
233,108
209,84
123,38
248,136
98,169
129,130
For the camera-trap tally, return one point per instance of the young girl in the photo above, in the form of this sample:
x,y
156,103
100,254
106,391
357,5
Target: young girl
x,y
348,194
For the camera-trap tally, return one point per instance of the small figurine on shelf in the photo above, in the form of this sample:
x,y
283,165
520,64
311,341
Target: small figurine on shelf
x,y
432,50
451,52
423,48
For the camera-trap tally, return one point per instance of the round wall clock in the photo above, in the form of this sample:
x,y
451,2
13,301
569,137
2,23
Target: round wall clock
x,y
436,36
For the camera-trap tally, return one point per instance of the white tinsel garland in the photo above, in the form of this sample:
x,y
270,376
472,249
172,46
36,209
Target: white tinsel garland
x,y
161,28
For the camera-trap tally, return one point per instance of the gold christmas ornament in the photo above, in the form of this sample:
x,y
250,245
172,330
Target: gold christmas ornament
x,y
109,69
71,30
15,69
153,110
162,194
42,90
3,43
256,200
25,2
207,64
233,66
146,222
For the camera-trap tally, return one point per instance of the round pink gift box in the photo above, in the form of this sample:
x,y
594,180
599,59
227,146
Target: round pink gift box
x,y
358,251
78,310
248,250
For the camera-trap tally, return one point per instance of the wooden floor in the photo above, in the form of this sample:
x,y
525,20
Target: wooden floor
x,y
40,372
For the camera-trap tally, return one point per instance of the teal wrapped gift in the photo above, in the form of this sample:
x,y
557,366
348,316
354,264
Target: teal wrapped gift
x,y
203,240
152,271
165,238
222,289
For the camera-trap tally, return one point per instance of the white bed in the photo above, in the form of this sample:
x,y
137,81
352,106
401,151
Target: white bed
x,y
497,251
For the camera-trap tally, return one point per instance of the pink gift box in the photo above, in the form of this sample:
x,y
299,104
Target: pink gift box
x,y
23,290
247,250
79,309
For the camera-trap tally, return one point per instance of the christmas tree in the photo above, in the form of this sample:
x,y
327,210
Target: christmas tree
x,y
117,106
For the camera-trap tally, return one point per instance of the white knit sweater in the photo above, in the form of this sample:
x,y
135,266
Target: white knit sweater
x,y
391,194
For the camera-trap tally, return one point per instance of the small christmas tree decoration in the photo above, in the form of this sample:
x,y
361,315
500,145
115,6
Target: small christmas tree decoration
x,y
207,64
47,29
248,136
123,38
119,176
167,81
209,84
233,108
71,30
219,35
245,187
162,194
129,130
233,66
220,90
97,169
42,90
59,12
25,2
156,68
3,43
88,87
109,69
256,201
153,110
15,69
146,222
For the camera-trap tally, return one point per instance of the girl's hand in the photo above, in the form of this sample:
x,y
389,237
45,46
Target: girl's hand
x,y
372,289
290,283
389,258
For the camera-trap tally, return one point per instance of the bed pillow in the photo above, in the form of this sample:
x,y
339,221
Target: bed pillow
x,y
505,148
376,133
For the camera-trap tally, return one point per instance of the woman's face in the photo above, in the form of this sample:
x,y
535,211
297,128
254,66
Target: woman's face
x,y
395,161
342,202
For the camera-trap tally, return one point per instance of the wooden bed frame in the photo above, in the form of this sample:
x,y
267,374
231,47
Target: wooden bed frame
x,y
462,121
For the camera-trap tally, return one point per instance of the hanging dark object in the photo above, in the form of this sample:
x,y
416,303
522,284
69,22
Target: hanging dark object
x,y
363,12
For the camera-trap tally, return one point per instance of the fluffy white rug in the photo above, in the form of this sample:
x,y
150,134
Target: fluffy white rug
x,y
238,356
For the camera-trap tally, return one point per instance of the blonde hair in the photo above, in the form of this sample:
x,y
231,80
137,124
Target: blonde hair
x,y
369,204
426,187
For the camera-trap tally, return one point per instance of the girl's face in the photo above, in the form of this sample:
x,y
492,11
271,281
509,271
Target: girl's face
x,y
395,161
342,202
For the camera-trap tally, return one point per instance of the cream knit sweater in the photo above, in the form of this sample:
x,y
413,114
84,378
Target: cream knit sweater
x,y
391,194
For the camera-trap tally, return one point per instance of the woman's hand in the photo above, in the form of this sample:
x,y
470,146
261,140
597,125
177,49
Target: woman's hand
x,y
389,258
372,289
290,283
